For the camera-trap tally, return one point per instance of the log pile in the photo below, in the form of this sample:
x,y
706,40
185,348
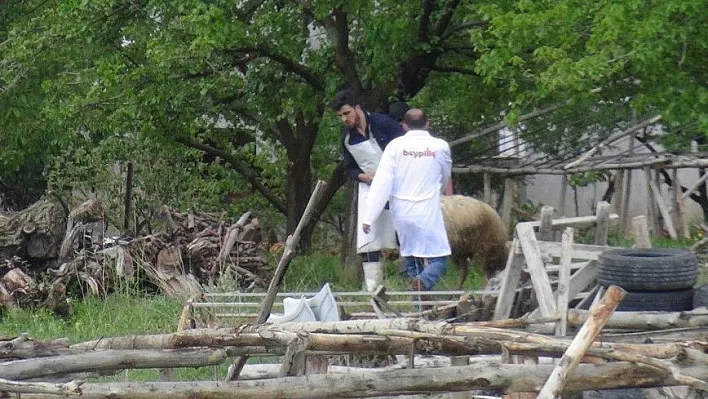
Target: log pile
x,y
45,247
612,361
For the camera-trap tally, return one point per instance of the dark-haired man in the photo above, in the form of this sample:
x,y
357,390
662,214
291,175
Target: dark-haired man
x,y
414,171
364,137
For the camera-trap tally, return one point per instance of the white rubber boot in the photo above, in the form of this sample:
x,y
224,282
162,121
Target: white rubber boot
x,y
373,275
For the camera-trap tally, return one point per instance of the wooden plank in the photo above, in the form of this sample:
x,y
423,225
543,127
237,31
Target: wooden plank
x,y
487,188
679,210
603,223
663,210
580,251
505,300
578,282
579,221
640,231
562,291
508,201
534,262
695,186
545,232
581,343
651,213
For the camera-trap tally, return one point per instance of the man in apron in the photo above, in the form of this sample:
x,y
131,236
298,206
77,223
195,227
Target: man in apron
x,y
364,137
414,171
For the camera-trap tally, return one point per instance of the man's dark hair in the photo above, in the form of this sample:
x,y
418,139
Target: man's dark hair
x,y
344,97
415,118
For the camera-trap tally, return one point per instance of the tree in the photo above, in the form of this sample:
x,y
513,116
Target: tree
x,y
247,82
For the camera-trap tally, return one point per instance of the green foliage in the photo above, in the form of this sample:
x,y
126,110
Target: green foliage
x,y
600,52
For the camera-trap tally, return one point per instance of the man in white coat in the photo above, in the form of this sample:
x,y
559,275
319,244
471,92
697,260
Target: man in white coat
x,y
413,172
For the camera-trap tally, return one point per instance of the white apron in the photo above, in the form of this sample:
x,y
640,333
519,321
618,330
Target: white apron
x,y
367,155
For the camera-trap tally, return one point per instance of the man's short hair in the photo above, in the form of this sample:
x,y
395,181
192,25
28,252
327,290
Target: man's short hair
x,y
415,118
344,97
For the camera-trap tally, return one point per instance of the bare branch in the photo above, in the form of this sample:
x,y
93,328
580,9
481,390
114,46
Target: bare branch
x,y
337,27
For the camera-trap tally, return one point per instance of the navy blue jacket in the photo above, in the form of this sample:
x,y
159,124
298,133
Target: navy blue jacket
x,y
383,127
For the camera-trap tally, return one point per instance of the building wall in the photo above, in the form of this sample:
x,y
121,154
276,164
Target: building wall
x,y
546,189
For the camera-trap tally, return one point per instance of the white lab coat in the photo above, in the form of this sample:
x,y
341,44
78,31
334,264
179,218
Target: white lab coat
x,y
413,170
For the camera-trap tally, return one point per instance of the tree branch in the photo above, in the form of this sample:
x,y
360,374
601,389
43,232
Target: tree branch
x,y
290,65
337,27
444,21
464,71
241,167
424,21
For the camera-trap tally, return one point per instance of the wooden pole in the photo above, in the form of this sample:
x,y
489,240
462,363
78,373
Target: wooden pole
x,y
564,281
128,196
651,215
640,231
545,232
535,266
695,186
603,223
511,377
679,210
663,210
508,201
277,281
580,344
487,188
512,274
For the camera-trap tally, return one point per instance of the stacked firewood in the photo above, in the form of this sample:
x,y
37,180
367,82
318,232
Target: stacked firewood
x,y
45,247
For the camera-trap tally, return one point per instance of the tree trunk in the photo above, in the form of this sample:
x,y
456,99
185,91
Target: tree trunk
x,y
299,187
490,377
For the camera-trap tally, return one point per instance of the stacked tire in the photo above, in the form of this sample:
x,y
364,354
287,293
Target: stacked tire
x,y
656,279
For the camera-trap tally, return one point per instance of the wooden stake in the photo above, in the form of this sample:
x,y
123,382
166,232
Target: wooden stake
x,y
277,281
603,223
651,215
582,341
545,232
663,210
534,263
564,281
505,300
487,188
640,231
679,210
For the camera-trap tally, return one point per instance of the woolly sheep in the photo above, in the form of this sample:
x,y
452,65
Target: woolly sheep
x,y
475,231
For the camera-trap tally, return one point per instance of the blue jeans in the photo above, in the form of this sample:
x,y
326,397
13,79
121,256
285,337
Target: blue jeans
x,y
430,274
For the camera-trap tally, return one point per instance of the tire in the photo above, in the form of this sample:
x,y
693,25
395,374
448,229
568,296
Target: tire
x,y
647,269
700,297
667,301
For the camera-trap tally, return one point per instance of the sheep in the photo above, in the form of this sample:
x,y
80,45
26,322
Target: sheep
x,y
474,230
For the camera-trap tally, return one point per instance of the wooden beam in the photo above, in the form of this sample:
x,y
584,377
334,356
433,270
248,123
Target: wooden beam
x,y
578,221
545,232
612,138
603,223
695,186
487,188
535,266
663,210
512,274
679,210
564,281
640,231
581,343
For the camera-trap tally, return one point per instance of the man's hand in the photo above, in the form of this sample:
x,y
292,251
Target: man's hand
x,y
366,228
366,178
